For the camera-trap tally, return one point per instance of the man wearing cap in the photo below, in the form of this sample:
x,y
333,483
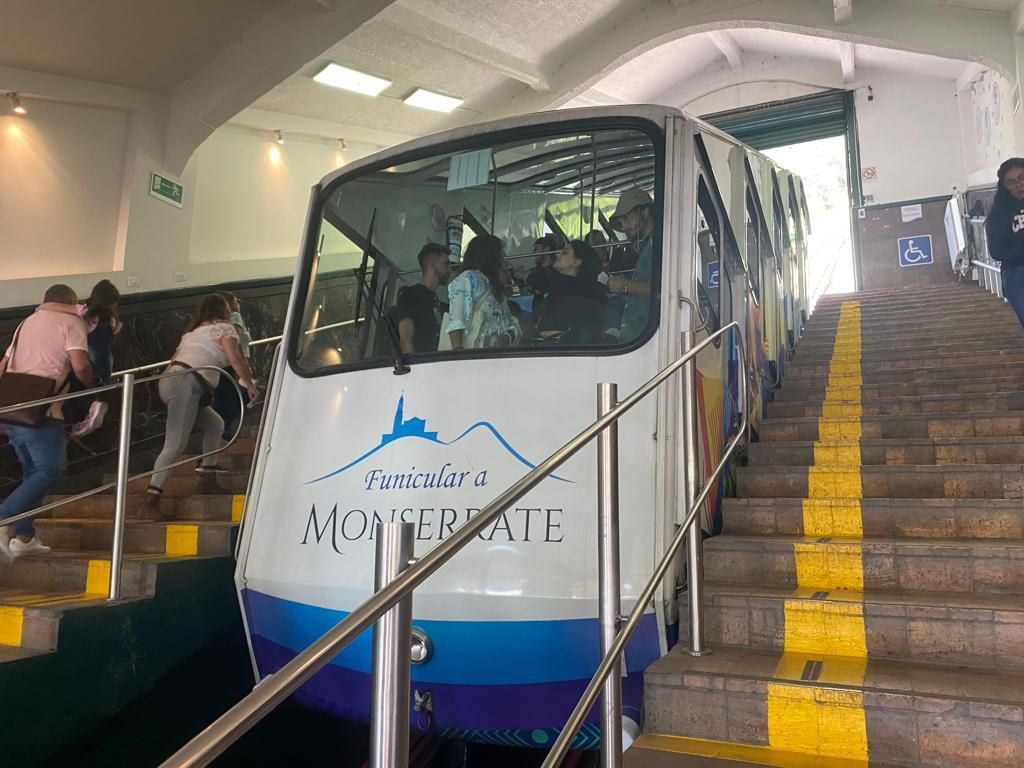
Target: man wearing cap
x,y
634,216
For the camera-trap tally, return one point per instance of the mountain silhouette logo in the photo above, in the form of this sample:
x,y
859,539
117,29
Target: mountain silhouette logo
x,y
416,429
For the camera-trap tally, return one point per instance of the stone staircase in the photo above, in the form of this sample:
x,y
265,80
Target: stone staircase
x,y
36,592
865,603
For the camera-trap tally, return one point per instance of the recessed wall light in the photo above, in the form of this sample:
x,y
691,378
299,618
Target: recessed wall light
x,y
19,108
351,80
425,99
279,137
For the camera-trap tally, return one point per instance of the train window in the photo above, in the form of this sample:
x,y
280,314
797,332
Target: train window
x,y
753,247
709,238
536,245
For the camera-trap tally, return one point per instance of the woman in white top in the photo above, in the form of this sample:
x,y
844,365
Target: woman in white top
x,y
210,340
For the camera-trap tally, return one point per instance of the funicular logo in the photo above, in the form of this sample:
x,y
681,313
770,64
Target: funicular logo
x,y
354,522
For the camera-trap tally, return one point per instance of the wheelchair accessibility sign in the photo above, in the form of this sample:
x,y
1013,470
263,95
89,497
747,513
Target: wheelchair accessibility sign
x,y
714,280
915,251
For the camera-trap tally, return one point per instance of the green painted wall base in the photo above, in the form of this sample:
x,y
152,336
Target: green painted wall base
x,y
107,657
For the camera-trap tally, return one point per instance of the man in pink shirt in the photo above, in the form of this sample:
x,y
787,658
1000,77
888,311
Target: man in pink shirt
x,y
51,342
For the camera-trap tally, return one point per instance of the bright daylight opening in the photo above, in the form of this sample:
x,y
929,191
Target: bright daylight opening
x,y
823,167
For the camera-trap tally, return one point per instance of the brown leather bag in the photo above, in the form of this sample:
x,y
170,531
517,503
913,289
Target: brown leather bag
x,y
23,388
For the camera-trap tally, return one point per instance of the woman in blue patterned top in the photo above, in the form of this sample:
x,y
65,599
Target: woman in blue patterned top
x,y
478,313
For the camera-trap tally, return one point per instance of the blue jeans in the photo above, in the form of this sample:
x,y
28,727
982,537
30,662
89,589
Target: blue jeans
x,y
42,453
1013,287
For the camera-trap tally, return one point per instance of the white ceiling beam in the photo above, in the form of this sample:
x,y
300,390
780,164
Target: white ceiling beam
x,y
459,34
727,46
848,60
843,11
266,55
972,71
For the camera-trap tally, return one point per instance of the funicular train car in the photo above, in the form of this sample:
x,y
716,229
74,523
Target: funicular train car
x,y
357,433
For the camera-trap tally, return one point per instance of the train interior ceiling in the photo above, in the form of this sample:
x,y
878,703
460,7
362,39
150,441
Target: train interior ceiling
x,y
820,173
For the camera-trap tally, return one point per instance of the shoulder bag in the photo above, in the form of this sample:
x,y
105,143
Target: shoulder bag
x,y
23,388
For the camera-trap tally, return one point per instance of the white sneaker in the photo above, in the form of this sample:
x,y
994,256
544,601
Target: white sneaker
x,y
214,469
5,549
20,549
92,421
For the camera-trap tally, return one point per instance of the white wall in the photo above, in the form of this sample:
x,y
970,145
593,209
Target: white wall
x,y
75,203
910,132
986,126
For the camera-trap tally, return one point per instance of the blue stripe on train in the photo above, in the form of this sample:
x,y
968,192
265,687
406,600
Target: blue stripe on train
x,y
465,652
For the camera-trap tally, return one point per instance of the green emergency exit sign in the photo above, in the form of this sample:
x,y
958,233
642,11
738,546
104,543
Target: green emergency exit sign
x,y
166,190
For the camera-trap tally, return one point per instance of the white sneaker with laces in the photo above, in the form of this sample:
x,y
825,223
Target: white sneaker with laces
x,y
20,548
92,421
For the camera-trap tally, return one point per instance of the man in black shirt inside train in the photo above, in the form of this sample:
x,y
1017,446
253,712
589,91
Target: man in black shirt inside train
x,y
418,310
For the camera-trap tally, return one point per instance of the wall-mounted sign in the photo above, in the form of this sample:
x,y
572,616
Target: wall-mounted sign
x,y
714,280
915,251
164,189
869,174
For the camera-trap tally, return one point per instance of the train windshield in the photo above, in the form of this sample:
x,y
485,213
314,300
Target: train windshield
x,y
543,244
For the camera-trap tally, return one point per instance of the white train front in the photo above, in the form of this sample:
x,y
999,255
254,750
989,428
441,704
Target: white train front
x,y
348,443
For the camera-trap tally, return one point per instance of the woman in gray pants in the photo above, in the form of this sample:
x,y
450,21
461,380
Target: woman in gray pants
x,y
210,340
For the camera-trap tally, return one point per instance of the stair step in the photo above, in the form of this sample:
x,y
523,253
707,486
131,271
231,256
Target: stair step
x,y
918,565
937,628
874,353
954,372
653,750
141,537
908,713
878,427
979,403
196,507
186,482
31,619
816,391
912,451
71,571
886,518
943,481
935,364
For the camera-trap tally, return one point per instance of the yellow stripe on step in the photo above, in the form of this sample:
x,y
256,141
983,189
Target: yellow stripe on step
x,y
839,429
182,540
813,624
11,624
834,482
836,453
817,720
829,565
97,581
833,517
237,507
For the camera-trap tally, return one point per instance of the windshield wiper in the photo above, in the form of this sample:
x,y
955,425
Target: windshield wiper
x,y
376,302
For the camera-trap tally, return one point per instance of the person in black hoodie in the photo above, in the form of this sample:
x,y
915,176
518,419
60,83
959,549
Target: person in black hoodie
x,y
576,304
1004,229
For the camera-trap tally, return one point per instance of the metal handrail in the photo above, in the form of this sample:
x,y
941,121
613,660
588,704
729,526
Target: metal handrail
x,y
230,726
564,741
106,388
985,265
258,342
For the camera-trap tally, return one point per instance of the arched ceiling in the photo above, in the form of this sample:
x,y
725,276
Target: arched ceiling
x,y
251,61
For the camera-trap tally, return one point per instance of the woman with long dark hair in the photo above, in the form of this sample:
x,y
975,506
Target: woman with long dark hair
x,y
211,339
100,315
576,305
1004,229
478,313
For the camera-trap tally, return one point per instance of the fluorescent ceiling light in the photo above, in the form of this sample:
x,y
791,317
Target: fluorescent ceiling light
x,y
425,99
342,77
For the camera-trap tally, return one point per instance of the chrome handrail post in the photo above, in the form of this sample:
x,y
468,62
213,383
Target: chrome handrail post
x,y
121,489
392,648
609,584
691,468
